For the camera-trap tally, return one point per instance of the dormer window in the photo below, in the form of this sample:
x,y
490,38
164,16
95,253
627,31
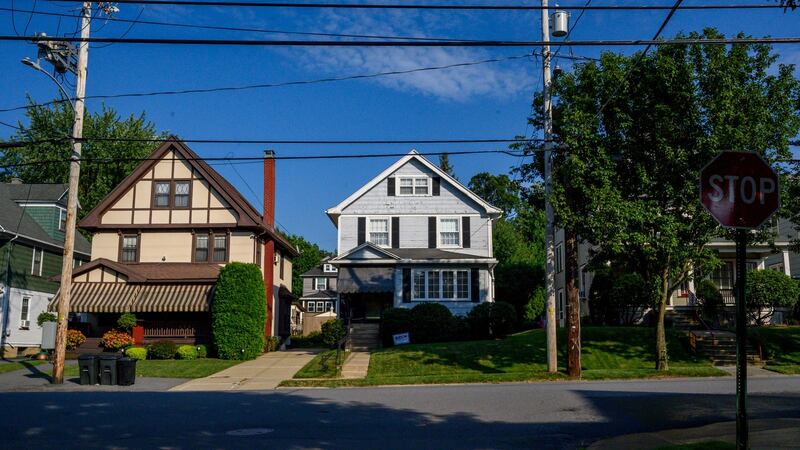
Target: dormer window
x,y
414,186
329,268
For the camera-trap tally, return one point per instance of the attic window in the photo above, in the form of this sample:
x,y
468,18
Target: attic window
x,y
414,186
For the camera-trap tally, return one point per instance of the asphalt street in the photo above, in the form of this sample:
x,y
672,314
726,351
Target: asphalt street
x,y
535,415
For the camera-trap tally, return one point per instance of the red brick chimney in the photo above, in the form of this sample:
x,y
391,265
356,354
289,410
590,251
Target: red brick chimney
x,y
269,245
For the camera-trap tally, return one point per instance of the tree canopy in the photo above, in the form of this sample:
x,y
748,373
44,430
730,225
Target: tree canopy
x,y
311,255
98,177
634,131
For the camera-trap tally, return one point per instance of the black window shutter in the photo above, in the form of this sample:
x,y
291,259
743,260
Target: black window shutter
x,y
465,232
431,232
390,186
362,230
395,232
475,281
437,184
406,285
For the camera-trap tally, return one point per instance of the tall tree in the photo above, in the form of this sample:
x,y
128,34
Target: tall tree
x,y
499,190
634,133
444,164
107,162
311,255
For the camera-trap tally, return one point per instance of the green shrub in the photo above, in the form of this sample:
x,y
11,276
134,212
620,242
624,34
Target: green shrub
x,y
162,350
630,297
271,344
202,351
45,316
431,322
136,353
238,314
127,321
534,309
186,352
395,321
313,340
492,320
332,332
767,289
710,300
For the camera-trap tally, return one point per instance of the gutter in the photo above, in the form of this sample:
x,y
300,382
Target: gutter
x,y
7,293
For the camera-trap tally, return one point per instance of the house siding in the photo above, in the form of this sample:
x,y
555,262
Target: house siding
x,y
21,259
48,218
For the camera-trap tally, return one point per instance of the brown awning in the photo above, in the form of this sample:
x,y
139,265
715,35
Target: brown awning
x,y
174,298
99,297
125,297
365,280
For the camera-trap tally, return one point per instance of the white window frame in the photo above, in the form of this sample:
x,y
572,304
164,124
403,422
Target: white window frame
x,y
311,306
559,258
321,307
413,179
41,261
440,297
329,268
388,230
316,283
62,213
439,232
25,321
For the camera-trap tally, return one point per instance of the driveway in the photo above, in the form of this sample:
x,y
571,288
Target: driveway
x,y
264,372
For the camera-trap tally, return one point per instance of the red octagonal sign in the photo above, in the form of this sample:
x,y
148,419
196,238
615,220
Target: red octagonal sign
x,y
739,189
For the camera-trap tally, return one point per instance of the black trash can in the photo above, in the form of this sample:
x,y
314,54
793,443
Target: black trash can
x,y
87,365
108,369
126,371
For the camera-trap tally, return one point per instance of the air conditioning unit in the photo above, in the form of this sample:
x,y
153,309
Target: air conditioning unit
x,y
24,323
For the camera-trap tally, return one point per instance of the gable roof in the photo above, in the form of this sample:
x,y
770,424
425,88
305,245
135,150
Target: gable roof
x,y
154,272
14,220
334,212
367,246
248,216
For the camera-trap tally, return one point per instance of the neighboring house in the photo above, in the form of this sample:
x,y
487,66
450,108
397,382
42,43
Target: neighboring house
x,y
32,218
319,288
413,234
775,256
160,239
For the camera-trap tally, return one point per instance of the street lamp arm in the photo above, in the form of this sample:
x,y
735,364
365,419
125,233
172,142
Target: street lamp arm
x,y
35,65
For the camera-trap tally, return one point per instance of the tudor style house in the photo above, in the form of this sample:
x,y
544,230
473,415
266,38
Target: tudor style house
x,y
160,239
413,234
32,219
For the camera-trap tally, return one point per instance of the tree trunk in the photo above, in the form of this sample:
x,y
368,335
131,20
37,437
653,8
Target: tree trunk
x,y
661,337
573,304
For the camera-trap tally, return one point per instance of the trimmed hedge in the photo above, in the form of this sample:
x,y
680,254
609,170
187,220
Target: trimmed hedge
x,y
186,352
162,350
492,320
431,322
202,351
136,353
238,314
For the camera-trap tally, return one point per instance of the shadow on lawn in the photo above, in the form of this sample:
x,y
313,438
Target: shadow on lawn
x,y
363,418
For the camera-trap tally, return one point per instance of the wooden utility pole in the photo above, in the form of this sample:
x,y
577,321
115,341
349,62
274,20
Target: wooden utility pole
x,y
549,240
72,199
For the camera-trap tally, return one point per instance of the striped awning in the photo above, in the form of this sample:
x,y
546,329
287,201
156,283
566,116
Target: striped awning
x,y
99,297
174,298
124,297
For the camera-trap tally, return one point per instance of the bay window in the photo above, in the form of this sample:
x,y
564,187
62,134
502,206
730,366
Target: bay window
x,y
441,284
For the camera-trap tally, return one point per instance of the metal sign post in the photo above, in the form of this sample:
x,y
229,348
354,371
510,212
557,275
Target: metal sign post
x,y
741,191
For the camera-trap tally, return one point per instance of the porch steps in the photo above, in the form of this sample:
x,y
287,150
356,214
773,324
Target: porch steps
x,y
720,346
364,337
684,320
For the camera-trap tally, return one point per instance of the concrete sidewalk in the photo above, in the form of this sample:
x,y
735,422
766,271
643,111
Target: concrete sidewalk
x,y
772,434
356,365
262,373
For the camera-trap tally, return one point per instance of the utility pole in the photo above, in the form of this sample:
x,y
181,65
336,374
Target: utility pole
x,y
549,238
72,199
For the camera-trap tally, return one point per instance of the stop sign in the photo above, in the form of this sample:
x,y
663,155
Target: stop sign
x,y
739,189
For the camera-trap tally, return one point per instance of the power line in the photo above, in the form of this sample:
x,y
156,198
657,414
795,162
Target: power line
x,y
473,7
433,43
16,144
261,158
285,83
244,29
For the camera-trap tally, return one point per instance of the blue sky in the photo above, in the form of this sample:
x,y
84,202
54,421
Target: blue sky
x,y
484,101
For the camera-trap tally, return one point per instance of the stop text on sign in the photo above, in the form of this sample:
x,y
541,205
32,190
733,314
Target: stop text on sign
x,y
747,188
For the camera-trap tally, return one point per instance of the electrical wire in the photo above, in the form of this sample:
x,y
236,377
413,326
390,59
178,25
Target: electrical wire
x,y
433,43
30,17
281,84
471,7
132,24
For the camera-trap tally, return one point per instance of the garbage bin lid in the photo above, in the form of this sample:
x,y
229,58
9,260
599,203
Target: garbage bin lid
x,y
86,356
107,357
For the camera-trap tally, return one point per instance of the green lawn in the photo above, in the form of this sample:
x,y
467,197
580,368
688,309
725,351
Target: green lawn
x,y
171,368
608,352
322,366
12,366
781,346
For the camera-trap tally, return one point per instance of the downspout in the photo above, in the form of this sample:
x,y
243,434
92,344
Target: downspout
x,y
7,284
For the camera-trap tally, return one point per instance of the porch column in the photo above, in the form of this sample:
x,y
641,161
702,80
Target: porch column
x,y
786,267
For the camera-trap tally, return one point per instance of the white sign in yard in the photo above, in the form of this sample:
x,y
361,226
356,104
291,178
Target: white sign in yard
x,y
402,338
